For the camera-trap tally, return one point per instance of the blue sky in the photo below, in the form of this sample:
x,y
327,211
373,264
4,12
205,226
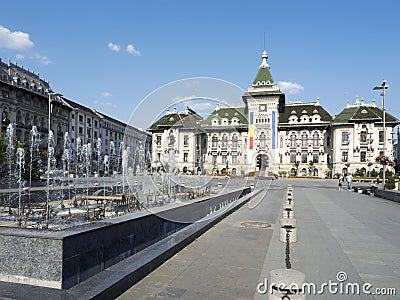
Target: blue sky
x,y
334,50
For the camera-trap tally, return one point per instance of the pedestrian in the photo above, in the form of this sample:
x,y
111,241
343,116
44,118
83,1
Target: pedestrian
x,y
378,179
349,179
340,183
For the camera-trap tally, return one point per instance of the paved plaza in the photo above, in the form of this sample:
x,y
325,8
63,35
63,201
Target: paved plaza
x,y
337,231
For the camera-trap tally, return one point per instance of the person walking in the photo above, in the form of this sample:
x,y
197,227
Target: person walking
x,y
340,183
349,179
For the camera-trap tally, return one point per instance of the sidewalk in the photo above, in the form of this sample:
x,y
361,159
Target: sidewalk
x,y
337,231
341,231
224,263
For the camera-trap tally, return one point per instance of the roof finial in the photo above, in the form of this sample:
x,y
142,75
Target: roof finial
x,y
317,100
264,40
357,101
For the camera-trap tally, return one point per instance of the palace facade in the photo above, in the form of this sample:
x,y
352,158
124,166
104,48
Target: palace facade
x,y
268,135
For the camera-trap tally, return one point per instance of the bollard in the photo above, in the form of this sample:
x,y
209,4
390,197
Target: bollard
x,y
289,202
286,284
288,212
288,224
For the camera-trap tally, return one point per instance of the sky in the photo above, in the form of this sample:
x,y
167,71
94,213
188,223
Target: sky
x,y
110,55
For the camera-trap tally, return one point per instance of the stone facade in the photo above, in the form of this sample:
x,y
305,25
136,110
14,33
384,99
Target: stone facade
x,y
268,136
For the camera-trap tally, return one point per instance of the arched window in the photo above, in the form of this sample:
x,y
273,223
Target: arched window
x,y
171,139
214,141
292,140
224,140
234,140
263,139
316,139
304,139
281,142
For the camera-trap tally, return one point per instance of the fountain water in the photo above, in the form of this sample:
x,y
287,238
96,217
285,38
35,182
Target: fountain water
x,y
10,149
50,160
21,167
98,152
66,157
112,155
34,151
78,155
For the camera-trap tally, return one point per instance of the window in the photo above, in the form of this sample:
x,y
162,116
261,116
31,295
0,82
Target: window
x,y
345,137
214,141
363,137
280,158
304,158
234,159
80,130
185,157
95,123
95,134
381,136
293,140
263,140
345,156
171,139
281,142
363,156
316,139
380,153
225,141
328,141
186,140
224,159
158,140
89,133
304,139
234,141
292,158
80,118
72,116
315,158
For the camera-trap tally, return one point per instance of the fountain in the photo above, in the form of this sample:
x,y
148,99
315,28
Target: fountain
x,y
34,149
50,159
98,152
66,157
21,167
10,150
78,154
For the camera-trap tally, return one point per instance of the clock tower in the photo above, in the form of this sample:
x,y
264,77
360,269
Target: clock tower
x,y
264,101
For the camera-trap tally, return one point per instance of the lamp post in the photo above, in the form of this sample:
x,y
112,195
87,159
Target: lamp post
x,y
50,93
383,87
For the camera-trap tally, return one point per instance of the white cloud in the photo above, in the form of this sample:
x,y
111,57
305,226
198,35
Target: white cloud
x,y
200,106
43,59
104,103
132,50
106,94
19,56
290,87
15,40
114,47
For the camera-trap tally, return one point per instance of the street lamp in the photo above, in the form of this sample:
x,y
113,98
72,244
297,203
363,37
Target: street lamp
x,y
383,87
50,93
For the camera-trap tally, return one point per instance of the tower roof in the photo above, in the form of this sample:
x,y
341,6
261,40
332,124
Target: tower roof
x,y
263,83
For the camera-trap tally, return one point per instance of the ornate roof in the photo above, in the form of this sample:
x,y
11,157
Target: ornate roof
x,y
263,83
187,119
228,113
359,113
300,109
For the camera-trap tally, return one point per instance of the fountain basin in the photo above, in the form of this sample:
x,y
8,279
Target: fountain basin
x,y
62,259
